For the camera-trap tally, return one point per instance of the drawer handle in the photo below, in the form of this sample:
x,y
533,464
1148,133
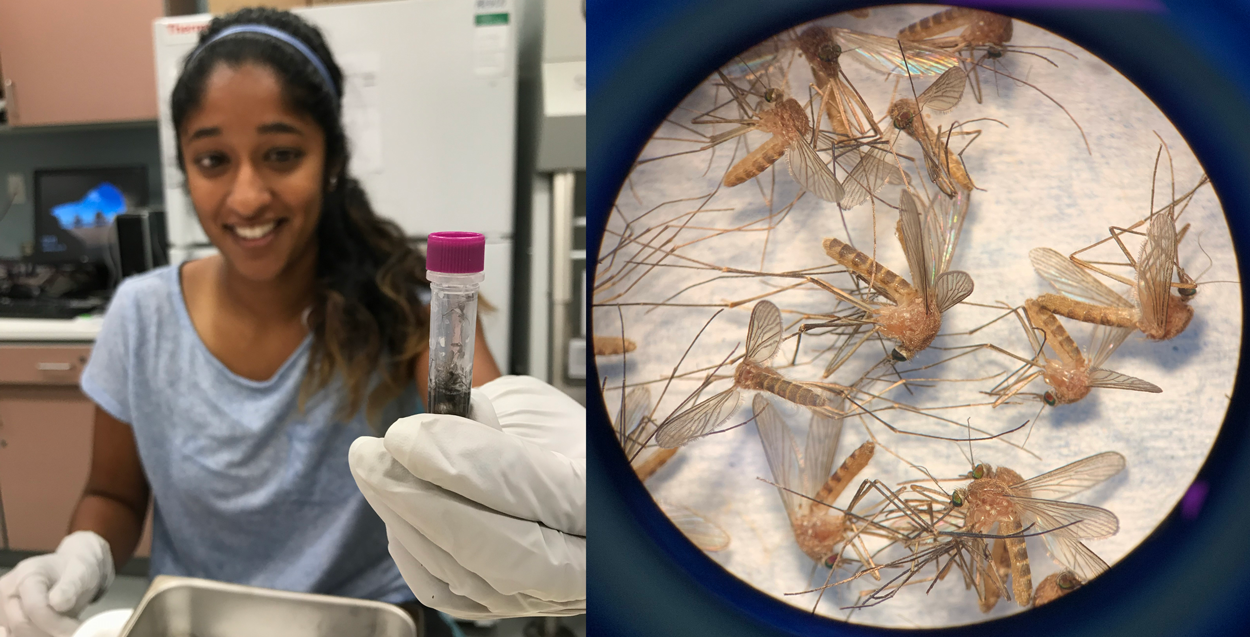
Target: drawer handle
x,y
53,367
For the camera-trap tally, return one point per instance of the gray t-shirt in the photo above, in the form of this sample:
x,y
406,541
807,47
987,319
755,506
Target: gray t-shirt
x,y
248,489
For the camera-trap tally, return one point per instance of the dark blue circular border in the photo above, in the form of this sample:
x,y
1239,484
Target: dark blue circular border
x,y
1191,576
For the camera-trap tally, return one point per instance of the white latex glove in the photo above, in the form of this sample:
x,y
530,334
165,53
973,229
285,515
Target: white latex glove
x,y
486,517
43,595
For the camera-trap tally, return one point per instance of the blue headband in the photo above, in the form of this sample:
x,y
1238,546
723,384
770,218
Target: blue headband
x,y
281,35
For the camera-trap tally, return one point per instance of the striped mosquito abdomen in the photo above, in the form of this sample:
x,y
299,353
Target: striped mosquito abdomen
x,y
1021,574
936,24
850,468
869,270
1056,335
1088,312
756,162
750,375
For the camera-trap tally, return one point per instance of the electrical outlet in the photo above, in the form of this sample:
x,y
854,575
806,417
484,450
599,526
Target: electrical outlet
x,y
17,188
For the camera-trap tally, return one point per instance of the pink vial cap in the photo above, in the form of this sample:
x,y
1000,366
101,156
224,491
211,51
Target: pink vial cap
x,y
455,252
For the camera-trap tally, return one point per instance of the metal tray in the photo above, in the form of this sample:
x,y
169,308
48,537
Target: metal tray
x,y
189,607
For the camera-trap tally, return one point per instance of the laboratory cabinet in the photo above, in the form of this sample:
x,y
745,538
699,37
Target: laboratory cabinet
x,y
46,430
78,61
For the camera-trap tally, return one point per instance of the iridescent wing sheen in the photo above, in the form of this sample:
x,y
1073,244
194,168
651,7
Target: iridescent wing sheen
x,y
1071,519
1154,269
821,450
1072,478
811,172
1108,379
697,421
886,55
704,533
1072,281
952,287
1075,556
631,427
781,452
943,223
763,333
911,234
945,93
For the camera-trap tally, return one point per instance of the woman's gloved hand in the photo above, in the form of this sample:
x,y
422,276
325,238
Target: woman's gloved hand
x,y
43,595
486,516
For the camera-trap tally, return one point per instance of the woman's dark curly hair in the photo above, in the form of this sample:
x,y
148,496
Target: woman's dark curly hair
x,y
366,313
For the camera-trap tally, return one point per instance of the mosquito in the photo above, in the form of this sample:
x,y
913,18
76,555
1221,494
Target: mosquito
x,y
817,529
702,532
999,496
1071,375
916,314
1056,585
788,123
982,30
841,102
945,169
1159,314
752,373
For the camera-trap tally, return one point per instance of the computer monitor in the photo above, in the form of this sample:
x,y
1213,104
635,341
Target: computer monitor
x,y
75,207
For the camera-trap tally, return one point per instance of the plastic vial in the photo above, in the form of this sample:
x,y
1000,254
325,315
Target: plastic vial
x,y
454,268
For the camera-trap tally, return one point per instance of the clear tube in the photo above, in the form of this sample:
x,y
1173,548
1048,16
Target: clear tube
x,y
453,324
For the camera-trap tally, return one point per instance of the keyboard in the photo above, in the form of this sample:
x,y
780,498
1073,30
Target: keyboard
x,y
48,308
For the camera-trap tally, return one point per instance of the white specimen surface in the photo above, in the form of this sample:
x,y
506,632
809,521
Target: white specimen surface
x,y
1040,187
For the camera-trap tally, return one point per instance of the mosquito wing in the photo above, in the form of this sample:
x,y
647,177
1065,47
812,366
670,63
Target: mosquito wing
x,y
630,425
1075,556
1071,519
704,533
1154,273
781,451
1105,342
867,177
911,235
764,332
945,93
812,173
1108,379
943,223
697,421
821,449
952,287
1072,478
1072,281
886,55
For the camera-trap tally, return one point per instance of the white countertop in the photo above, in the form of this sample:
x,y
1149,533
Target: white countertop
x,y
72,330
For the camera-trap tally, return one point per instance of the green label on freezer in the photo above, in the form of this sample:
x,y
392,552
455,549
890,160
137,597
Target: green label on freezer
x,y
490,19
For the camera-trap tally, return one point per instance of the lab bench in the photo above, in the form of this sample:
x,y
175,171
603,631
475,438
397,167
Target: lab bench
x,y
46,431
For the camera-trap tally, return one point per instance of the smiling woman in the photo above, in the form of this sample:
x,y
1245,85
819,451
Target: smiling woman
x,y
229,389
